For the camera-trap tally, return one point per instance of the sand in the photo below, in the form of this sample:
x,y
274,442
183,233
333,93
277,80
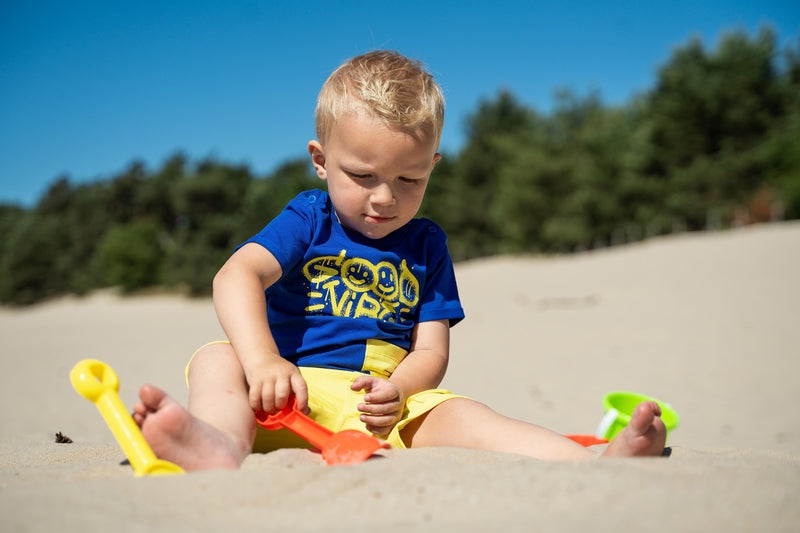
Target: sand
x,y
708,322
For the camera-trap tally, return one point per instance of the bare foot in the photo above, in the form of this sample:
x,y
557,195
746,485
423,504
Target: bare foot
x,y
177,436
645,435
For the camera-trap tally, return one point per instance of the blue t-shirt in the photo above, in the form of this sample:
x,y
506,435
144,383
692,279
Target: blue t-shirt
x,y
343,296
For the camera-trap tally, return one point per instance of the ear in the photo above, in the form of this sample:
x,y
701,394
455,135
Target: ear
x,y
318,158
436,158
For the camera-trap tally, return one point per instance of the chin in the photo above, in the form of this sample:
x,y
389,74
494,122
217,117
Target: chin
x,y
376,234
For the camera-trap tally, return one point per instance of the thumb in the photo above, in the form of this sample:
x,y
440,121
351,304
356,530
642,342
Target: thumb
x,y
364,383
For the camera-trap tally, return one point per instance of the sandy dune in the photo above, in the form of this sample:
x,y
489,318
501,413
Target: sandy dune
x,y
707,322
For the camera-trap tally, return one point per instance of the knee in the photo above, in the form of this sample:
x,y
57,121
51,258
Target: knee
x,y
212,357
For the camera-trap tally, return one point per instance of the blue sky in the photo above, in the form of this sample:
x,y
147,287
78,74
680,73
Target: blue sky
x,y
88,87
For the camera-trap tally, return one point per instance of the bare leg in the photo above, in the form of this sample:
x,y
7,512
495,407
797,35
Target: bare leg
x,y
465,423
218,429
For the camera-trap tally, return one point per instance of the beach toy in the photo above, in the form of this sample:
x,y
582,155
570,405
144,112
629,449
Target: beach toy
x,y
587,440
97,382
619,407
343,448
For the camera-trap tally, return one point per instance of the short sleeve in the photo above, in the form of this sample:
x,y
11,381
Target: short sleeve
x,y
439,300
289,234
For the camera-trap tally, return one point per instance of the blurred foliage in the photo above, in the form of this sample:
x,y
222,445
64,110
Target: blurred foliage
x,y
173,228
714,144
129,255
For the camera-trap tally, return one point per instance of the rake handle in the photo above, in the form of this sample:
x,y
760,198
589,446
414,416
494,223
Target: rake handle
x,y
296,422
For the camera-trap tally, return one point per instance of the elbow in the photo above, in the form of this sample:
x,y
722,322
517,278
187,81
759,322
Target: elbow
x,y
220,278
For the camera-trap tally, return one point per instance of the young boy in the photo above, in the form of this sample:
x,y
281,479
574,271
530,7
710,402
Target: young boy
x,y
360,297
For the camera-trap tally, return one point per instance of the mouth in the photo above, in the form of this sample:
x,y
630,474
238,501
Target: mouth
x,y
376,219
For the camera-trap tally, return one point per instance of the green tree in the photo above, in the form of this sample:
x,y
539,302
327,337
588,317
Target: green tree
x,y
707,114
207,207
155,196
130,255
779,154
267,197
10,216
33,268
468,195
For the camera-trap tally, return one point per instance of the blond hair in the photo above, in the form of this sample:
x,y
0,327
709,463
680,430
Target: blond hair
x,y
386,85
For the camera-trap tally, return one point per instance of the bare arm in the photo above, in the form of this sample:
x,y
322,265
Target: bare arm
x,y
239,301
425,365
422,369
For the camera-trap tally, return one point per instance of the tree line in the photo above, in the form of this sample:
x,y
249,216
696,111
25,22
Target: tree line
x,y
715,143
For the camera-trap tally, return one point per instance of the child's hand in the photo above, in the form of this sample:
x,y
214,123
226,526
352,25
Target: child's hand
x,y
383,403
271,383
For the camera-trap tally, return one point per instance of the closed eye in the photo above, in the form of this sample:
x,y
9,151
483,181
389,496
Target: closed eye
x,y
403,179
359,176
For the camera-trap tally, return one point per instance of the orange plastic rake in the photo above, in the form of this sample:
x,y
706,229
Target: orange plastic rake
x,y
342,448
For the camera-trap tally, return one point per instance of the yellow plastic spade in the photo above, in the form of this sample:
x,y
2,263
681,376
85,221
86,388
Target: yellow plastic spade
x,y
97,382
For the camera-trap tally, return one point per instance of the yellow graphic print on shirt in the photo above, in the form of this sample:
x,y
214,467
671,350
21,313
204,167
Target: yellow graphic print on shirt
x,y
355,287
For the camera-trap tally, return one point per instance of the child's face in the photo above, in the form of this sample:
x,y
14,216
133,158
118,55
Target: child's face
x,y
376,175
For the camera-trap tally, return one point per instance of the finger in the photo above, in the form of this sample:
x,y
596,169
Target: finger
x,y
264,399
283,388
380,425
255,398
363,383
378,431
300,389
379,420
389,408
382,395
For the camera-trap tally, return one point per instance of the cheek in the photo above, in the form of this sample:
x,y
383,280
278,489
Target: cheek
x,y
413,197
346,194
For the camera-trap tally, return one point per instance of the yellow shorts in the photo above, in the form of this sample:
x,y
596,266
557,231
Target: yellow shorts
x,y
335,406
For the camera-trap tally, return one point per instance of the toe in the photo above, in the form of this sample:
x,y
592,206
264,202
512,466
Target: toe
x,y
643,417
152,397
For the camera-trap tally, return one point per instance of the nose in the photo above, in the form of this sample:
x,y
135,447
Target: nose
x,y
382,194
